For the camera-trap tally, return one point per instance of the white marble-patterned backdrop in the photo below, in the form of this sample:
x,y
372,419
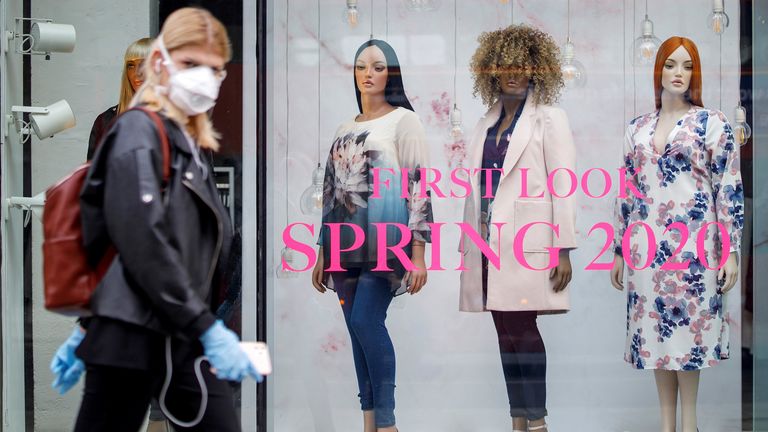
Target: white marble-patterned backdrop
x,y
449,377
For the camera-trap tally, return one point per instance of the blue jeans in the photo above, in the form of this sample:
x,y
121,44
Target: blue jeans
x,y
364,297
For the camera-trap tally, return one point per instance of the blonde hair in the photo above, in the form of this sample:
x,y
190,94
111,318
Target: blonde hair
x,y
517,47
139,49
189,26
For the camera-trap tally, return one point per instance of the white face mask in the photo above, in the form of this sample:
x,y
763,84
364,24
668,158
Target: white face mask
x,y
193,90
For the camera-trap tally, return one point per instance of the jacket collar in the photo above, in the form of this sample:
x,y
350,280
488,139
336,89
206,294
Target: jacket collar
x,y
520,135
176,136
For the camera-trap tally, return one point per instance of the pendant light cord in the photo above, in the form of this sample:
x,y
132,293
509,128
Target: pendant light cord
x,y
386,18
624,63
455,62
287,107
721,72
568,22
634,71
511,12
319,56
371,11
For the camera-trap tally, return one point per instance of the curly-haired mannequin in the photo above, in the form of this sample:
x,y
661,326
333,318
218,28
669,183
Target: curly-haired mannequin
x,y
517,48
517,75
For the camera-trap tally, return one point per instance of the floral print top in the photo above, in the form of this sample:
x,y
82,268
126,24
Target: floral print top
x,y
393,143
676,318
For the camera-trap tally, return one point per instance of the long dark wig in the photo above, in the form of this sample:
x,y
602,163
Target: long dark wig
x,y
394,92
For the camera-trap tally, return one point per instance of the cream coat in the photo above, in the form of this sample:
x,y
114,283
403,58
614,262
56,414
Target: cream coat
x,y
540,142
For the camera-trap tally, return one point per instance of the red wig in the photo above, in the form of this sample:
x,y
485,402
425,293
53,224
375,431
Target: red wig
x,y
693,94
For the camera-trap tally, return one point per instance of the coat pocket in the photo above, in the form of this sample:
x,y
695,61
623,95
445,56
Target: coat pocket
x,y
539,236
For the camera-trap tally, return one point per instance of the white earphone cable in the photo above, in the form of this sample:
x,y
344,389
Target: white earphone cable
x,y
167,383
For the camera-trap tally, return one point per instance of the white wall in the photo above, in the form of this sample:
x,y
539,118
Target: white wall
x,y
89,80
449,377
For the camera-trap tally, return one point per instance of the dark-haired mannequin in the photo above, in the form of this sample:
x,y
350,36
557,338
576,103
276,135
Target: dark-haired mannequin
x,y
386,134
371,80
684,161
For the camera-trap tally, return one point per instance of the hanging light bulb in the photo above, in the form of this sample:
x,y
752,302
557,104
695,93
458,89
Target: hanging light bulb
x,y
312,198
574,74
504,1
645,47
741,130
286,260
351,15
456,130
718,19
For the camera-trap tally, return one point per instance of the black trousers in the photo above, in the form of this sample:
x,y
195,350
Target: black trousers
x,y
523,359
116,399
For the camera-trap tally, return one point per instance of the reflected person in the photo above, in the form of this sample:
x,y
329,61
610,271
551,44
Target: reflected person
x,y
131,79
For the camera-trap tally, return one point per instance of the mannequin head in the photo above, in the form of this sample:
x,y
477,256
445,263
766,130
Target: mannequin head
x,y
376,61
514,83
515,59
678,60
371,71
193,37
133,77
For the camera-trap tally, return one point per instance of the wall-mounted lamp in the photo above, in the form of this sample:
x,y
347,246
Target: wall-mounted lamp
x,y
28,204
45,122
44,37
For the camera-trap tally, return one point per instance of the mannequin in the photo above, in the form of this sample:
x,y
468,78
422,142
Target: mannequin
x,y
386,134
517,74
683,160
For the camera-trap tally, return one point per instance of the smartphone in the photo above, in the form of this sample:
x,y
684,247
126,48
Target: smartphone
x,y
258,352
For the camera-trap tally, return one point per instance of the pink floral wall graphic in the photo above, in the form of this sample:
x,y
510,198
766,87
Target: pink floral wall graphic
x,y
454,148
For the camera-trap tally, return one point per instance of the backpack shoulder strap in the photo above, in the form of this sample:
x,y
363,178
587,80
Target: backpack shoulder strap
x,y
166,147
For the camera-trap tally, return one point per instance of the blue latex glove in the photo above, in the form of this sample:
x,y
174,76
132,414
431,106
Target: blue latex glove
x,y
222,348
65,365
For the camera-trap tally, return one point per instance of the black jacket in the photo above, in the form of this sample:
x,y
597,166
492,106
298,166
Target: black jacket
x,y
171,241
100,127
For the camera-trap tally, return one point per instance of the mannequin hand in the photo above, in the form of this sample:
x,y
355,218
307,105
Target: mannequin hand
x,y
317,272
222,348
562,273
417,278
617,272
729,273
65,365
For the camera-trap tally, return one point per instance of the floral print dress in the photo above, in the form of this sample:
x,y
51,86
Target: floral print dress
x,y
395,143
675,311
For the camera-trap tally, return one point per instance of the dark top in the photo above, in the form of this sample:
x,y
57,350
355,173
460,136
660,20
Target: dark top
x,y
100,127
172,245
493,157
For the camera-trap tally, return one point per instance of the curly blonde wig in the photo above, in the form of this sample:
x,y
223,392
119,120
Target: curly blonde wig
x,y
517,48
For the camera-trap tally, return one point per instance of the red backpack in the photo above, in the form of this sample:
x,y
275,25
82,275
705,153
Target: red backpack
x,y
68,278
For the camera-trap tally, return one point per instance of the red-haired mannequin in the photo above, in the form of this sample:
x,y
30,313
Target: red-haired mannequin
x,y
683,160
693,93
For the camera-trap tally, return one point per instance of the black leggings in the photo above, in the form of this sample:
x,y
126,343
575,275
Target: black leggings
x,y
523,359
116,399
524,362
